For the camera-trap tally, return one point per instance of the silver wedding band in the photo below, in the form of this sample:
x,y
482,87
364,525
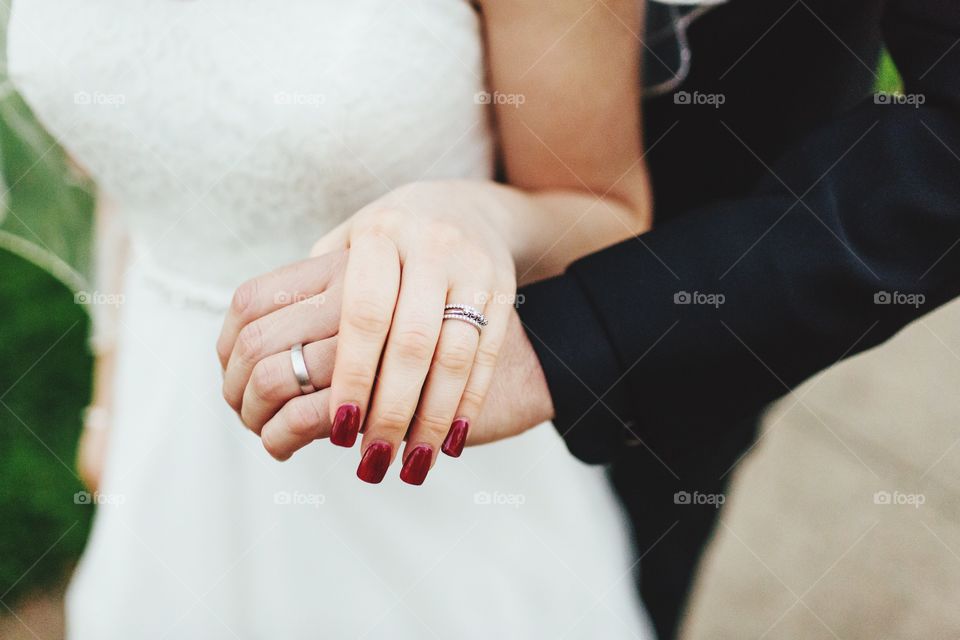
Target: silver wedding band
x,y
300,369
465,313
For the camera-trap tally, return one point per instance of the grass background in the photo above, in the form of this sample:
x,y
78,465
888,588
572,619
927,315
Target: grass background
x,y
45,367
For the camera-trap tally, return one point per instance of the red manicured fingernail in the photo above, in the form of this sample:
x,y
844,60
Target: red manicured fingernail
x,y
346,425
453,444
417,465
376,460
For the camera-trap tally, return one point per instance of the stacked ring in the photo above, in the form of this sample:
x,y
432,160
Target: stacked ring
x,y
465,313
467,310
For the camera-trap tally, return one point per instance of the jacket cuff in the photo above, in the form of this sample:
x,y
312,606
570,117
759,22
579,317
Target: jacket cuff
x,y
583,374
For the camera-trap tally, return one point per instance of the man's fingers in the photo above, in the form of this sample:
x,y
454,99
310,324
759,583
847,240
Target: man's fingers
x,y
306,321
370,288
300,422
273,383
265,294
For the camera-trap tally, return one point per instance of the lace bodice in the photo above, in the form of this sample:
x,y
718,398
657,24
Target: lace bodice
x,y
233,133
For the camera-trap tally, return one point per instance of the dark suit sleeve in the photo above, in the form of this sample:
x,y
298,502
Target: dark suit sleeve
x,y
855,236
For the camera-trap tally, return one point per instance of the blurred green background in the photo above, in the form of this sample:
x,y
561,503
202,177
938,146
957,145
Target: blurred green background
x,y
45,373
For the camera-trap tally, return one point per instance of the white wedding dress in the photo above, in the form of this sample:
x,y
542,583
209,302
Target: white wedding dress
x,y
232,134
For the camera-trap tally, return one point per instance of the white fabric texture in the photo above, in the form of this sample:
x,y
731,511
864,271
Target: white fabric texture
x,y
231,134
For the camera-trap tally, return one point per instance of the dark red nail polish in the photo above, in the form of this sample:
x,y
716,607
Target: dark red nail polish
x,y
417,465
376,460
346,425
453,444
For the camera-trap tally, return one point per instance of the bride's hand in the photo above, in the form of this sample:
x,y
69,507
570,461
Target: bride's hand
x,y
412,252
401,370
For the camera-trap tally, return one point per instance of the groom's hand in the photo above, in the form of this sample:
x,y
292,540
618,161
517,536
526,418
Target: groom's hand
x,y
519,397
301,303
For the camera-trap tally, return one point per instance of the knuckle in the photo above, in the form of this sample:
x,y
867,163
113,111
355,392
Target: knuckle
x,y
368,317
230,397
356,377
415,342
304,418
443,236
392,423
267,380
250,341
380,221
241,305
486,356
472,399
223,350
432,426
456,357
251,422
481,264
271,446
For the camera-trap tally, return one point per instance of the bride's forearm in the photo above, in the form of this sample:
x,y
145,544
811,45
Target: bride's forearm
x,y
547,230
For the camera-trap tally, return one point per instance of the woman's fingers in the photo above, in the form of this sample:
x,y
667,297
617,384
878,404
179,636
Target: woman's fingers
x,y
260,296
406,359
301,421
449,371
370,288
498,312
305,321
273,381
